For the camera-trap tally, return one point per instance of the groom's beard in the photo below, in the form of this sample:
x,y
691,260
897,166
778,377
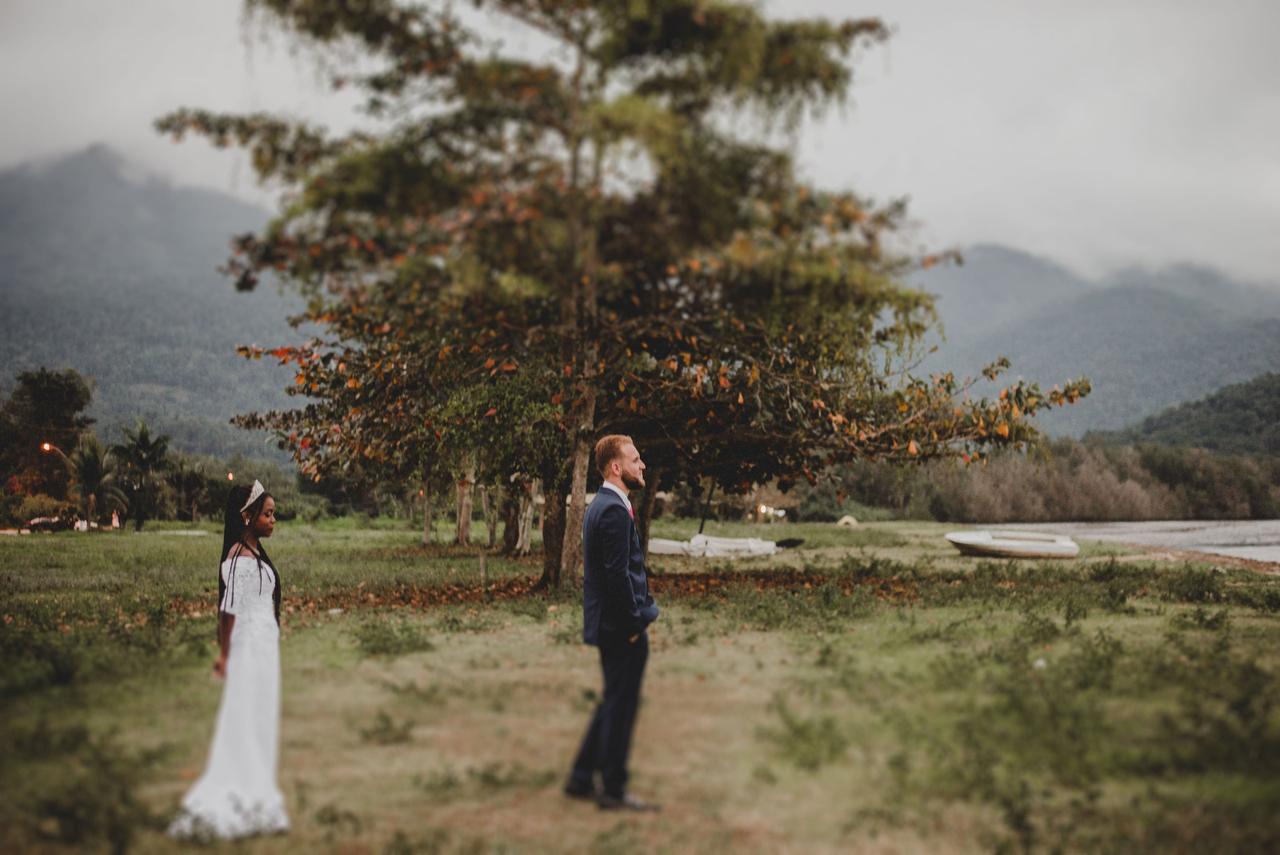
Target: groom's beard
x,y
633,483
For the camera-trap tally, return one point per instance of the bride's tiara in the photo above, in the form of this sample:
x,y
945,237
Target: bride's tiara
x,y
257,491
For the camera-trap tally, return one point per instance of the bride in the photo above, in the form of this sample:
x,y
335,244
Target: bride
x,y
237,795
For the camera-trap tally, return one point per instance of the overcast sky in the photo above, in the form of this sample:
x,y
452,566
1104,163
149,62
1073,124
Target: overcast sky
x,y
1102,134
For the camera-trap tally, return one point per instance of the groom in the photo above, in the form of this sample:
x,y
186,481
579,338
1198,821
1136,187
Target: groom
x,y
616,609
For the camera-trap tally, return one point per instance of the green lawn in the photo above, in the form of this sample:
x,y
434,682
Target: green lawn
x,y
869,691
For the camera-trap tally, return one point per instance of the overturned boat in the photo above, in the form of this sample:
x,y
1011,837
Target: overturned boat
x,y
1014,544
705,546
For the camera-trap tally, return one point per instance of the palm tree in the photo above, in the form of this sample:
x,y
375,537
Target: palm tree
x,y
94,471
143,459
191,484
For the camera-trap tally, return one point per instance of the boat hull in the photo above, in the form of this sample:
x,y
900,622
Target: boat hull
x,y
1000,544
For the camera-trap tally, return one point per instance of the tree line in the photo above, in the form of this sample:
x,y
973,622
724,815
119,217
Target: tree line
x,y
55,466
1063,480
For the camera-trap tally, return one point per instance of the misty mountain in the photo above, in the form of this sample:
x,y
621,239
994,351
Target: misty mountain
x,y
1147,340
113,272
996,285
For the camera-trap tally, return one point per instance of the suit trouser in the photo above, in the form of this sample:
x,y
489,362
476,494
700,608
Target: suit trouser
x,y
608,739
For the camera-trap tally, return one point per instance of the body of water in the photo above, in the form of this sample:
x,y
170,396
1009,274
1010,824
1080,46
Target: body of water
x,y
1258,540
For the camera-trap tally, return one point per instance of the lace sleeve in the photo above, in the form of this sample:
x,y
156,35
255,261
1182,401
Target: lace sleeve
x,y
230,588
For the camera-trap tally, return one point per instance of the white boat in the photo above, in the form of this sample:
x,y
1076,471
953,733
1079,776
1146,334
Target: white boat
x,y
705,546
1014,544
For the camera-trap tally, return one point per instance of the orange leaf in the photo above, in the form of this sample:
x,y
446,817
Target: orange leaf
x,y
1003,430
492,411
912,448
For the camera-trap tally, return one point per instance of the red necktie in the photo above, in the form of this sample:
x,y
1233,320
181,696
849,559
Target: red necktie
x,y
631,510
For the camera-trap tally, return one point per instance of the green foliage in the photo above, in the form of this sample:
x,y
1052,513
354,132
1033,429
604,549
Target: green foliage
x,y
808,743
96,803
490,777
1195,585
386,731
44,407
823,606
93,471
143,460
40,505
1063,480
383,637
1240,419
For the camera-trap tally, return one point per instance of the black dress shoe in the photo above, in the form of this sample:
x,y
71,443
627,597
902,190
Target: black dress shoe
x,y
578,791
627,802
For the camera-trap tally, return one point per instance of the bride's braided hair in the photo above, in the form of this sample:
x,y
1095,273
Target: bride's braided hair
x,y
233,529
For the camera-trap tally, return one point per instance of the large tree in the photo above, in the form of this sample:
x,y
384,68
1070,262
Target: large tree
x,y
589,221
40,424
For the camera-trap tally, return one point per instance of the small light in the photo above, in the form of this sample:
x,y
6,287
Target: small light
x,y
44,446
231,476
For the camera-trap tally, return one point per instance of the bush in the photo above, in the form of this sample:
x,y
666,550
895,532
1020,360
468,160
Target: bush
x,y
41,505
382,637
1194,585
809,743
98,804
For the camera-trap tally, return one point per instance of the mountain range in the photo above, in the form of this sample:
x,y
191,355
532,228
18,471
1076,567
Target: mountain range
x,y
1146,339
112,271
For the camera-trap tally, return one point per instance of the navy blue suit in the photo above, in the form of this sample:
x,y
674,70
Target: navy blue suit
x,y
616,608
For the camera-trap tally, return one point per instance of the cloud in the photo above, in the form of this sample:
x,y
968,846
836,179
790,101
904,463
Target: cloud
x,y
1101,134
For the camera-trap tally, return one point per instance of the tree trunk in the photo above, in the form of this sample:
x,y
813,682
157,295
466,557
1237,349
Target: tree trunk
x,y
427,509
511,503
706,510
553,534
524,543
652,476
571,555
580,313
465,483
490,499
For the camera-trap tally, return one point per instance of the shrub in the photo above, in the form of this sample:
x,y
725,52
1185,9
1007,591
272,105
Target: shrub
x,y
809,743
383,637
97,804
1194,585
385,730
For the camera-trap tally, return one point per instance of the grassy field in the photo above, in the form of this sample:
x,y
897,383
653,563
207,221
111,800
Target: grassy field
x,y
867,692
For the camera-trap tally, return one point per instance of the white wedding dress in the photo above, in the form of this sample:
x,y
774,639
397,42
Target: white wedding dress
x,y
237,795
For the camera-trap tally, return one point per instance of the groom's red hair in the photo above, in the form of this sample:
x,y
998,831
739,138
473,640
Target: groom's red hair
x,y
608,449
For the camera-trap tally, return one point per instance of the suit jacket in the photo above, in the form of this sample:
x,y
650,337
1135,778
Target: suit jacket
x,y
615,589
